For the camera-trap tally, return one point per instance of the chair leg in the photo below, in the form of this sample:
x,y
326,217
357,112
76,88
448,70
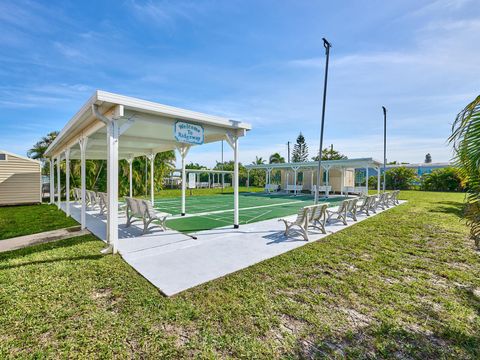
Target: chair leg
x,y
304,233
322,226
162,223
288,227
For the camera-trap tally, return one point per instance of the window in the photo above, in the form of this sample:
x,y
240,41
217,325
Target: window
x,y
3,157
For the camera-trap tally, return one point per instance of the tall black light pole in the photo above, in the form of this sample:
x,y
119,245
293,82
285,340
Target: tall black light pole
x,y
384,146
327,47
288,147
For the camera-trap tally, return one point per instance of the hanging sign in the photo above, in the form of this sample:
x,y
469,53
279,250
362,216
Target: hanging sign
x,y
188,133
192,181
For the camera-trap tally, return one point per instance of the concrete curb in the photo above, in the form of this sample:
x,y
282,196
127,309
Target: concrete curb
x,y
41,238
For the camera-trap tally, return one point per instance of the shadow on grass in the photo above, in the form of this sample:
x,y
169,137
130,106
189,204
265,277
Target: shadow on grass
x,y
470,298
39,248
391,341
449,207
54,260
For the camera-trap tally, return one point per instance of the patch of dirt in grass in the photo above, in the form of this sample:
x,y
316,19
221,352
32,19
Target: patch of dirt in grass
x,y
349,267
460,266
289,327
308,349
366,256
390,281
357,319
290,324
408,279
106,299
180,334
425,336
438,281
45,338
476,293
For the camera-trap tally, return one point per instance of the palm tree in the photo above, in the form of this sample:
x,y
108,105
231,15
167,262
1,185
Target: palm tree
x,y
276,158
38,150
96,170
258,161
164,162
466,143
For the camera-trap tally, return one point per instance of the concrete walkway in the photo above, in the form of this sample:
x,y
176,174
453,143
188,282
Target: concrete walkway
x,y
40,238
175,262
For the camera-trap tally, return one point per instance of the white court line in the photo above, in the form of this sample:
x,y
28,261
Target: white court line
x,y
256,217
218,219
241,209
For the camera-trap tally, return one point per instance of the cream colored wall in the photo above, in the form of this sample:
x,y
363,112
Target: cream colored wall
x,y
349,179
335,179
20,181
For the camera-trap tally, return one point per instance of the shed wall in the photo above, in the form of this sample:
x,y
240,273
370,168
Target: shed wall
x,y
20,181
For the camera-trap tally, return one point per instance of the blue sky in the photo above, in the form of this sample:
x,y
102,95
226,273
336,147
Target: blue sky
x,y
258,61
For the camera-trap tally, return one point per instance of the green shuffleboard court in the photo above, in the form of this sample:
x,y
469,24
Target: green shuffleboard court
x,y
214,211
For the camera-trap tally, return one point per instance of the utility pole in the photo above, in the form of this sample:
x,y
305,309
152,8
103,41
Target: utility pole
x,y
288,147
384,146
327,47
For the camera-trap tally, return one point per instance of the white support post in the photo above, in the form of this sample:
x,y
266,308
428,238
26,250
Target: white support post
x,y
59,191
184,183
327,181
378,180
130,161
295,179
83,149
67,182
311,180
112,184
342,181
236,224
232,140
248,180
183,150
151,157
366,180
52,181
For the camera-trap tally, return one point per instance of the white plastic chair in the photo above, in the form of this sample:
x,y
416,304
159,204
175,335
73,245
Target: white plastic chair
x,y
340,214
318,217
301,222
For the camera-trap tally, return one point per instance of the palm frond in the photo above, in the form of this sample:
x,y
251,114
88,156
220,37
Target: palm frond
x,y
465,139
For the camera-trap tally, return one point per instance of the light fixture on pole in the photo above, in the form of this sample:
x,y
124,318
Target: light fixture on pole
x,y
384,146
327,47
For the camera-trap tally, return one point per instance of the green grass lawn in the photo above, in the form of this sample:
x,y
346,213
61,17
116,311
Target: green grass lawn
x,y
404,284
31,219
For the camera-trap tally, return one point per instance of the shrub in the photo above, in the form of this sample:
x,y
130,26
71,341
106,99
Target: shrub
x,y
446,179
400,178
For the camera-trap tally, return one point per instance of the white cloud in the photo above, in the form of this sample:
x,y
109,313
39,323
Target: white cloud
x,y
164,13
43,95
440,6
